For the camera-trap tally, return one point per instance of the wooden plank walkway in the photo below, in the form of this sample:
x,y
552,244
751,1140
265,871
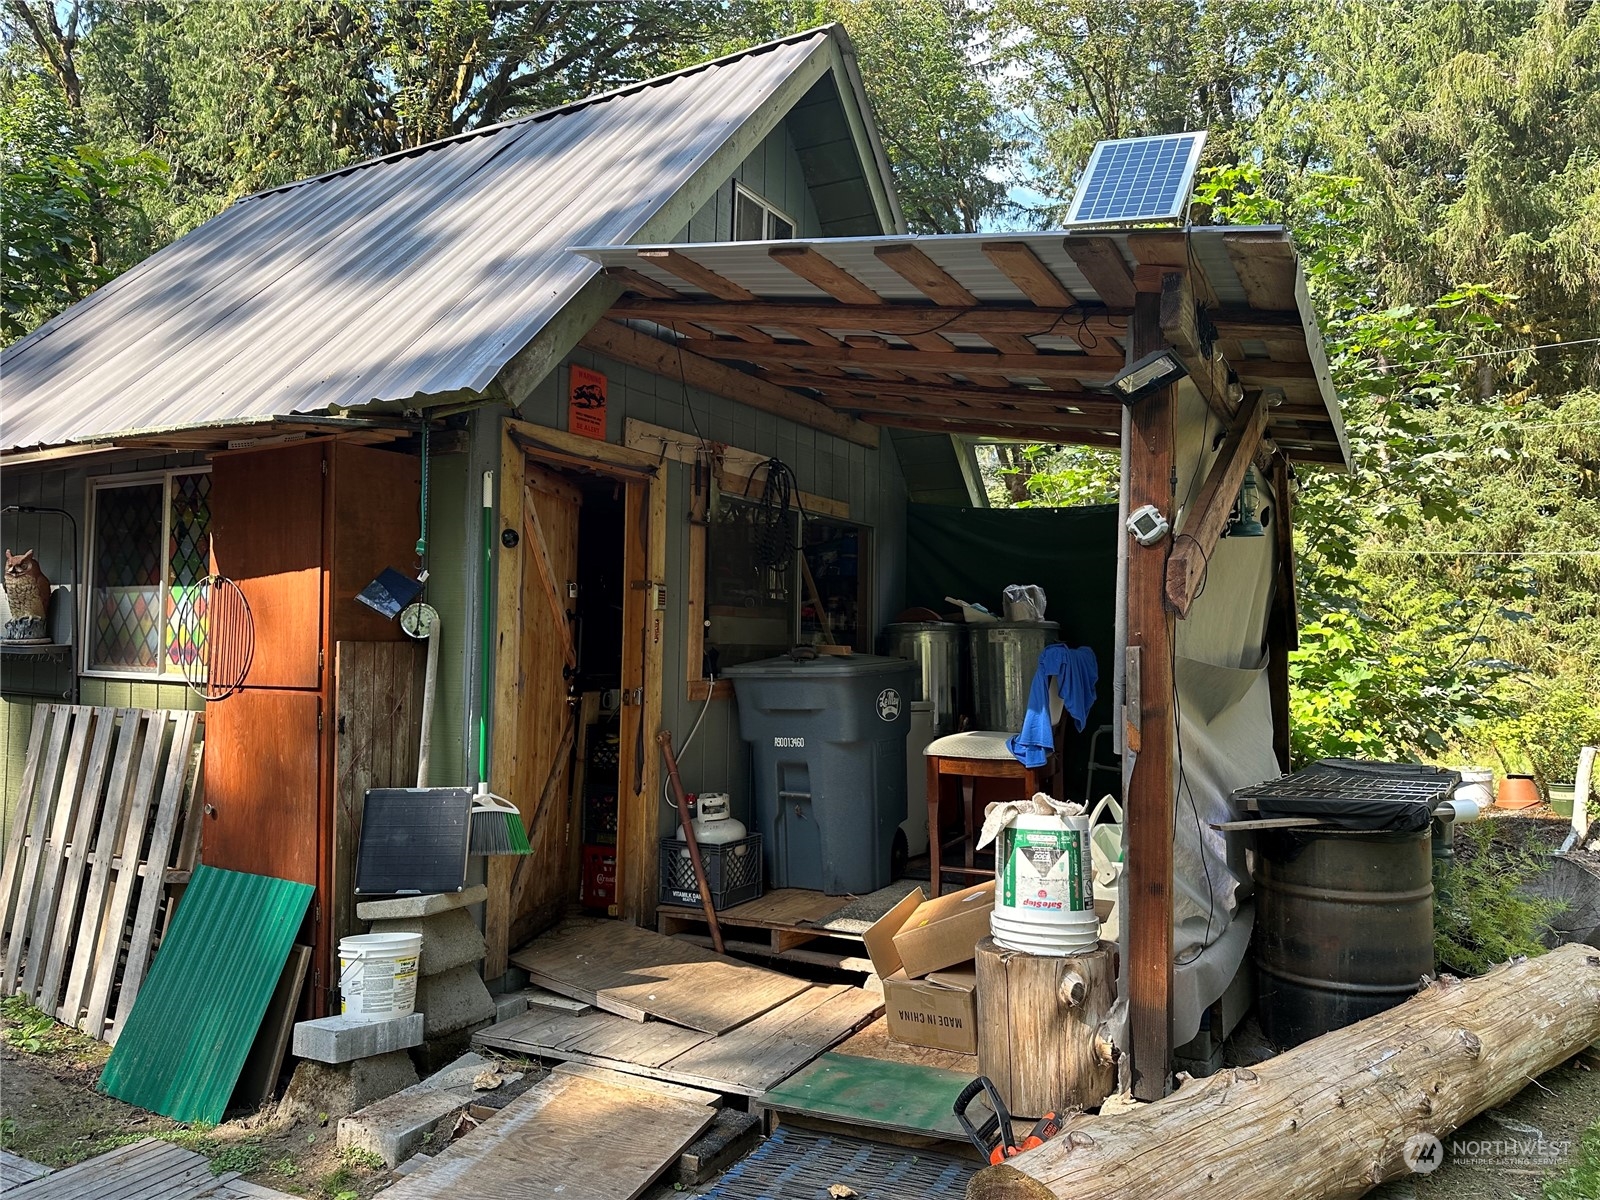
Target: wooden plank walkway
x,y
779,926
16,1170
638,974
147,1170
746,1061
576,1136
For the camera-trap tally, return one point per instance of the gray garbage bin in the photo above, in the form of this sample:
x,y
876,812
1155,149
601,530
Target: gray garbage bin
x,y
827,738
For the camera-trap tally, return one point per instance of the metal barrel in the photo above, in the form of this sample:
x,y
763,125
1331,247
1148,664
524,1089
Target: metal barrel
x,y
935,646
1344,927
1004,655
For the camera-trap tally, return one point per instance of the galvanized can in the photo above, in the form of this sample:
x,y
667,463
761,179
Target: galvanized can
x,y
1005,655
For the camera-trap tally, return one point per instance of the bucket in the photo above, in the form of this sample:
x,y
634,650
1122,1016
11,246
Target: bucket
x,y
1477,785
1044,895
378,974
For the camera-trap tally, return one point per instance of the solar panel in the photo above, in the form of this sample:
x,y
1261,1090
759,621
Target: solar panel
x,y
1137,179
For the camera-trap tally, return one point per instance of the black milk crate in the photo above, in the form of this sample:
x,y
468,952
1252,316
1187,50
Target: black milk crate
x,y
733,872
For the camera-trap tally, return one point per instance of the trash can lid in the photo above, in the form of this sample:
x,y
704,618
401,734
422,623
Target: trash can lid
x,y
821,667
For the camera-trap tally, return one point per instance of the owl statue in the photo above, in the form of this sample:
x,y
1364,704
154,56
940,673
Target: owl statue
x,y
28,595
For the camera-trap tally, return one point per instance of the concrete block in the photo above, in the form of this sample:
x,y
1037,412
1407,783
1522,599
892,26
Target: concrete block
x,y
453,1000
449,939
336,1090
512,1004
396,1127
344,1039
402,907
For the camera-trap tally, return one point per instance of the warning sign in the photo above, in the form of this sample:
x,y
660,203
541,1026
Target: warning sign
x,y
586,402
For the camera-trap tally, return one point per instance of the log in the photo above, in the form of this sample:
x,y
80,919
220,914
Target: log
x,y
1038,1020
1331,1117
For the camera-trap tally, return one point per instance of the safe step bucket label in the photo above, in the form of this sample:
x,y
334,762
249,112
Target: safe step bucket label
x,y
1046,871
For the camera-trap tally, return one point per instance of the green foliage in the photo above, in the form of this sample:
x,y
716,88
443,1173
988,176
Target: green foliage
x,y
243,1157
1480,919
1581,1179
1042,476
354,1156
26,1028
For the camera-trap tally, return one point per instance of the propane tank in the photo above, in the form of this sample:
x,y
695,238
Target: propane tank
x,y
715,823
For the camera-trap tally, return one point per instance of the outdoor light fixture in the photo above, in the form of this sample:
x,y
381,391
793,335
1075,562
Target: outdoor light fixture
x,y
1243,522
1150,373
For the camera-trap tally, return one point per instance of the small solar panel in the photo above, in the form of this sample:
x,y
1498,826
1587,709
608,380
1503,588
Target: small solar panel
x,y
413,841
1137,179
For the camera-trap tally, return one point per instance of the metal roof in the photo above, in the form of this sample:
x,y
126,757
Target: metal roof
x,y
418,274
1313,426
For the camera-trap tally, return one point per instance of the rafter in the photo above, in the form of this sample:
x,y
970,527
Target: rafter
x,y
816,269
1097,367
636,281
868,407
1027,270
1002,430
1104,267
1054,398
900,319
704,278
922,273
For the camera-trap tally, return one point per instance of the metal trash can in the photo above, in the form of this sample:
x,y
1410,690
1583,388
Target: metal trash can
x,y
827,737
935,646
1005,656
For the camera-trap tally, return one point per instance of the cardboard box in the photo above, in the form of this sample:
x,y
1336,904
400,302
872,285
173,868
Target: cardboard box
x,y
940,1011
922,951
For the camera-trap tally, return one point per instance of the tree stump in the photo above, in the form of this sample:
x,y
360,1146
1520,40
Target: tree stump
x,y
1038,1020
1336,1115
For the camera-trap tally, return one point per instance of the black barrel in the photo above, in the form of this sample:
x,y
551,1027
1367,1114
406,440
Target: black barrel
x,y
1344,927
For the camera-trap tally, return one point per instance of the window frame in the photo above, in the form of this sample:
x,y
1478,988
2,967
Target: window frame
x,y
93,486
769,212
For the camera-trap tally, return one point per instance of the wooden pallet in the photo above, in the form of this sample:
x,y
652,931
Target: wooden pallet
x,y
103,815
774,926
151,1168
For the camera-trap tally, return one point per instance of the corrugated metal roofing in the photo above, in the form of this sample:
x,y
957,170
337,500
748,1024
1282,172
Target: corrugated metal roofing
x,y
186,1040
419,274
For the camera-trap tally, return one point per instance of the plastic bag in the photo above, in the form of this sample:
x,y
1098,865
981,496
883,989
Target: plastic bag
x,y
1024,602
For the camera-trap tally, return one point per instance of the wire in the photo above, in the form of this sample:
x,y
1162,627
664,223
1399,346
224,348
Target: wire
x,y
666,784
775,538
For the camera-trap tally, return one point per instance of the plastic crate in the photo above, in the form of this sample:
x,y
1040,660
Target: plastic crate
x,y
733,872
600,878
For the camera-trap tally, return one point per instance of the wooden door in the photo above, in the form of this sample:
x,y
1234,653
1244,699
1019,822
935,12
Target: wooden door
x,y
266,535
542,882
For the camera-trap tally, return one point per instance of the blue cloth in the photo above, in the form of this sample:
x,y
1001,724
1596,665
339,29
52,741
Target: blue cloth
x,y
1075,674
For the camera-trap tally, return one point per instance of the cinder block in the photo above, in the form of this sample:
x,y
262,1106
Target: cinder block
x,y
403,907
449,939
343,1039
396,1127
453,1000
337,1090
511,1004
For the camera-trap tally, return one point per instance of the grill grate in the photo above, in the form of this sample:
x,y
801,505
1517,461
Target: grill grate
x,y
796,1165
1355,794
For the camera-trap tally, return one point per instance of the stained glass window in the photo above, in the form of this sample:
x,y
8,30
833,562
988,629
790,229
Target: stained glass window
x,y
149,551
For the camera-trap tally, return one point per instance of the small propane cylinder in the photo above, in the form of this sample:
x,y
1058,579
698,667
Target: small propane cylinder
x,y
714,823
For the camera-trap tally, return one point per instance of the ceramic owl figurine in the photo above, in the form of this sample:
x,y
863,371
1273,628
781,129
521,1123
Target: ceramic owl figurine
x,y
28,595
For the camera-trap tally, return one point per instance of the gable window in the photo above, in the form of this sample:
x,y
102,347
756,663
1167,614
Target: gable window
x,y
757,220
148,549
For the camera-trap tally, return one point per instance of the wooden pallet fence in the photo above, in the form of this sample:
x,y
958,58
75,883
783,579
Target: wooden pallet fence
x,y
105,809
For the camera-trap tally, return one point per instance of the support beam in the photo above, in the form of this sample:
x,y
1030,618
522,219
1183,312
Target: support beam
x,y
871,407
1180,325
1265,264
1193,545
1148,808
815,268
1096,367
1018,432
1104,267
901,319
704,278
1023,267
636,281
927,276
652,354
849,384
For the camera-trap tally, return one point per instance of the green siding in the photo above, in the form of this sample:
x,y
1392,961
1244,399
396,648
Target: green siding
x,y
185,1042
773,172
453,520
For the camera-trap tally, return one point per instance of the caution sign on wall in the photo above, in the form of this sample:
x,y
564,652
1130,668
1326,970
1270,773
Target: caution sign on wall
x,y
586,402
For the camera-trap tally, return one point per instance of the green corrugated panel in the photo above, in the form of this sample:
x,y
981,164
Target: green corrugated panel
x,y
185,1042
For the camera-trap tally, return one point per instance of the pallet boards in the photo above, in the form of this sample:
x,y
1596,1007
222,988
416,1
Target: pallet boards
x,y
746,1061
639,975
101,815
577,1136
147,1170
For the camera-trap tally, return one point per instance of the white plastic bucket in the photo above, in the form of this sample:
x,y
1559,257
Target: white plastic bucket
x,y
378,974
1044,891
1477,786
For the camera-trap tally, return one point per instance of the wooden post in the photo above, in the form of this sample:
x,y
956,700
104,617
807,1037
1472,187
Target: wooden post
x,y
1283,632
1038,1028
1148,808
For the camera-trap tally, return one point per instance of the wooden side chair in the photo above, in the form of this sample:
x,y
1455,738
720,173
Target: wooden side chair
x,y
955,764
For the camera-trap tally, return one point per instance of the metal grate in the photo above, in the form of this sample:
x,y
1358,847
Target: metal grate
x,y
1356,795
796,1165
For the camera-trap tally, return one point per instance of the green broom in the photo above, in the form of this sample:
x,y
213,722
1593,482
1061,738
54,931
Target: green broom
x,y
496,824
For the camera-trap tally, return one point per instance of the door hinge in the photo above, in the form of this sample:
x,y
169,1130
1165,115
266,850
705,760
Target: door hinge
x,y
321,658
324,467
316,912
633,697
319,718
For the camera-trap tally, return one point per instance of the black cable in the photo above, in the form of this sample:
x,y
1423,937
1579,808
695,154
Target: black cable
x,y
775,541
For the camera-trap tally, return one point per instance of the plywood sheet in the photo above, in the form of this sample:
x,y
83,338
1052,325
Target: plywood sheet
x,y
638,974
873,1092
746,1062
577,1137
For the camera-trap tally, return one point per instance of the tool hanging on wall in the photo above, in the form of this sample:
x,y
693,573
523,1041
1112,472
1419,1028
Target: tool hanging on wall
x,y
664,739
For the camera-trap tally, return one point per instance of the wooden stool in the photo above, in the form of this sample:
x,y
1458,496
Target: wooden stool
x,y
955,764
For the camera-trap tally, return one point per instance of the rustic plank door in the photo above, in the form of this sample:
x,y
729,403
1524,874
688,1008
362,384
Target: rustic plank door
x,y
541,883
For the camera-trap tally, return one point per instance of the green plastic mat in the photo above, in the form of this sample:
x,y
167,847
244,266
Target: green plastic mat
x,y
185,1042
876,1093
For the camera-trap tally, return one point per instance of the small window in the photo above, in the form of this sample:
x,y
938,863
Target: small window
x,y
755,220
836,605
752,609
149,547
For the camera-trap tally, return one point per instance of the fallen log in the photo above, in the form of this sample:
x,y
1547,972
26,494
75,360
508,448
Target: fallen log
x,y
1330,1118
